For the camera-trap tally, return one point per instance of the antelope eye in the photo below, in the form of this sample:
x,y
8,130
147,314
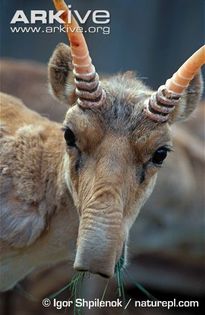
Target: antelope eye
x,y
69,137
159,156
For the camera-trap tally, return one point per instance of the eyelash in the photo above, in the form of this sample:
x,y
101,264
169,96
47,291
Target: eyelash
x,y
144,166
79,158
69,137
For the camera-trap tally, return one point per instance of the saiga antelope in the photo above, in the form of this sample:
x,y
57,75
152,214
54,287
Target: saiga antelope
x,y
73,192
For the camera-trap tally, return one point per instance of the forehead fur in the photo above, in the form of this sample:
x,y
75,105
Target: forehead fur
x,y
125,101
122,113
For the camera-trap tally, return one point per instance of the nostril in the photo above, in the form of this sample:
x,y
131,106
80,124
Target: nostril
x,y
93,270
103,275
80,268
100,273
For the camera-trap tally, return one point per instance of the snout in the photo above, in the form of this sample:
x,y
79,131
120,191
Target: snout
x,y
95,260
98,252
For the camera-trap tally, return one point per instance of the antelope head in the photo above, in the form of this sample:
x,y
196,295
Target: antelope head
x,y
117,135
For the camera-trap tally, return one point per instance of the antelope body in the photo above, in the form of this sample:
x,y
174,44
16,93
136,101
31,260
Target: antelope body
x,y
73,193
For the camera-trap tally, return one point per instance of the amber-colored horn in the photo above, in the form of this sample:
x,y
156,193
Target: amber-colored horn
x,y
88,88
163,102
180,80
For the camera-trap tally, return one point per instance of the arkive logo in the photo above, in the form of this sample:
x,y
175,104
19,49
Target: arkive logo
x,y
42,21
50,17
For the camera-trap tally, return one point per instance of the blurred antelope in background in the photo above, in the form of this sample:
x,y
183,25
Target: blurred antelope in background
x,y
73,192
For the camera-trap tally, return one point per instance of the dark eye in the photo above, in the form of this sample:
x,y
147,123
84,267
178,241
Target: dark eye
x,y
160,155
69,137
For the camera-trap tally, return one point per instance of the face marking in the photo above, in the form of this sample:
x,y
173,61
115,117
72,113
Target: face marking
x,y
142,175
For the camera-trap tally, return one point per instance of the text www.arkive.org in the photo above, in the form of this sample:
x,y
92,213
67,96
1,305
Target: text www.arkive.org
x,y
105,30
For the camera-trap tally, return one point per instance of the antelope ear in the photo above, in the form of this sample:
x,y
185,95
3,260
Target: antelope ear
x,y
60,75
189,100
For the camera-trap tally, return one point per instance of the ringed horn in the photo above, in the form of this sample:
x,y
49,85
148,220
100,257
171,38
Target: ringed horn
x,y
88,89
162,103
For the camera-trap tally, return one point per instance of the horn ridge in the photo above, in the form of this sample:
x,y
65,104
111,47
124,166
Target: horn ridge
x,y
96,103
161,103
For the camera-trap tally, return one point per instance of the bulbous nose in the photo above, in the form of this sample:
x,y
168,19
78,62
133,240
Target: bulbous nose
x,y
95,261
100,234
98,252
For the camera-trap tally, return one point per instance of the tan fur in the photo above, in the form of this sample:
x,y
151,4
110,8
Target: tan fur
x,y
40,180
